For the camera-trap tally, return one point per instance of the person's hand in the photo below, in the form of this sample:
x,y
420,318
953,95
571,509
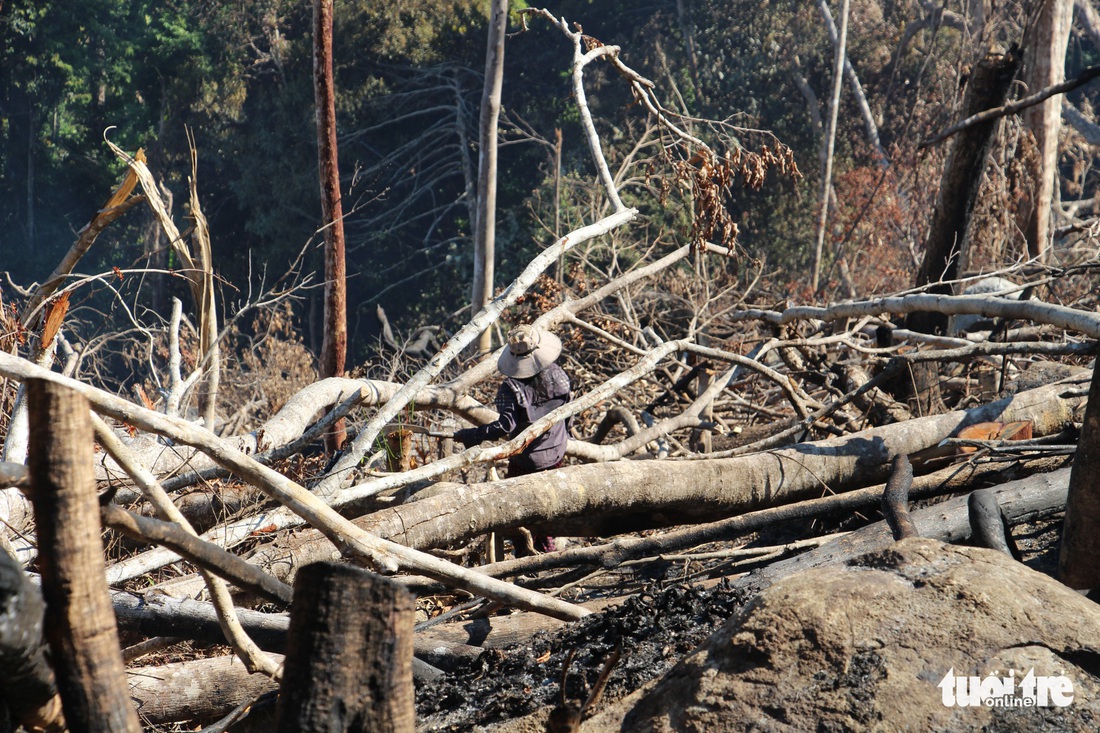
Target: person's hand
x,y
468,437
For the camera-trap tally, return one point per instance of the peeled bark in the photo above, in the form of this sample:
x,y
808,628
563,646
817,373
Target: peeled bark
x,y
949,521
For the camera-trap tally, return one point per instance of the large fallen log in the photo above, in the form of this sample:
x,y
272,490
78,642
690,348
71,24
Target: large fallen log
x,y
200,689
612,498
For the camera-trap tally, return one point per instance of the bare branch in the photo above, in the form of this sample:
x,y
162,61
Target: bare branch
x,y
1010,109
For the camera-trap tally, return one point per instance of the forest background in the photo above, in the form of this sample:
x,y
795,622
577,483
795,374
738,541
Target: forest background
x,y
409,80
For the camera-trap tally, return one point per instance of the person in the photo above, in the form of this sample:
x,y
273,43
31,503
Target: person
x,y
533,386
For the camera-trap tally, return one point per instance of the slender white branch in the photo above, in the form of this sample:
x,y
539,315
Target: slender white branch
x,y
359,447
1029,310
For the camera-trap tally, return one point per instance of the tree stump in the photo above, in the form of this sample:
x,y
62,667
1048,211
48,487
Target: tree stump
x,y
80,623
1079,556
349,654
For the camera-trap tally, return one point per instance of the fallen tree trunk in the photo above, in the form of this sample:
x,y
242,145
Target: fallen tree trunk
x,y
612,498
154,614
201,689
954,479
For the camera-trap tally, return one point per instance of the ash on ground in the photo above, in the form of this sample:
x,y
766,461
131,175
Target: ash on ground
x,y
655,629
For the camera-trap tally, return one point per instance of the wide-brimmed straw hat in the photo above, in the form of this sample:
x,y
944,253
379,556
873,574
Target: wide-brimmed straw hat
x,y
529,351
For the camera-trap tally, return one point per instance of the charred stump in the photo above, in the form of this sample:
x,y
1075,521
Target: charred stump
x,y
80,622
349,654
1079,558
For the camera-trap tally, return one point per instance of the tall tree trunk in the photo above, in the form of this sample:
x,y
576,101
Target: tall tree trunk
x,y
485,233
869,125
335,339
1045,65
945,251
30,180
830,140
688,33
1079,559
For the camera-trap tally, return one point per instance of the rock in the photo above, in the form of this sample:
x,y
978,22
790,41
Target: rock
x,y
865,646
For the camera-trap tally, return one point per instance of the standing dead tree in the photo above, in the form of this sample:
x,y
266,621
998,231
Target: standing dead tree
x,y
1045,64
485,232
197,267
830,141
945,255
335,342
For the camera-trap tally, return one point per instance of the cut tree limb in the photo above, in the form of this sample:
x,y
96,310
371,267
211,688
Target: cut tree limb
x,y
988,525
609,498
154,613
244,647
1039,495
199,689
1071,319
895,499
213,558
1080,80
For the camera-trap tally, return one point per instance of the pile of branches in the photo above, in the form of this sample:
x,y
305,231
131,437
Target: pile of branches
x,y
703,425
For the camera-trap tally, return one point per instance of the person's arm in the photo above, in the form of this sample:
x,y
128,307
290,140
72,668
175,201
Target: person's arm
x,y
507,408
